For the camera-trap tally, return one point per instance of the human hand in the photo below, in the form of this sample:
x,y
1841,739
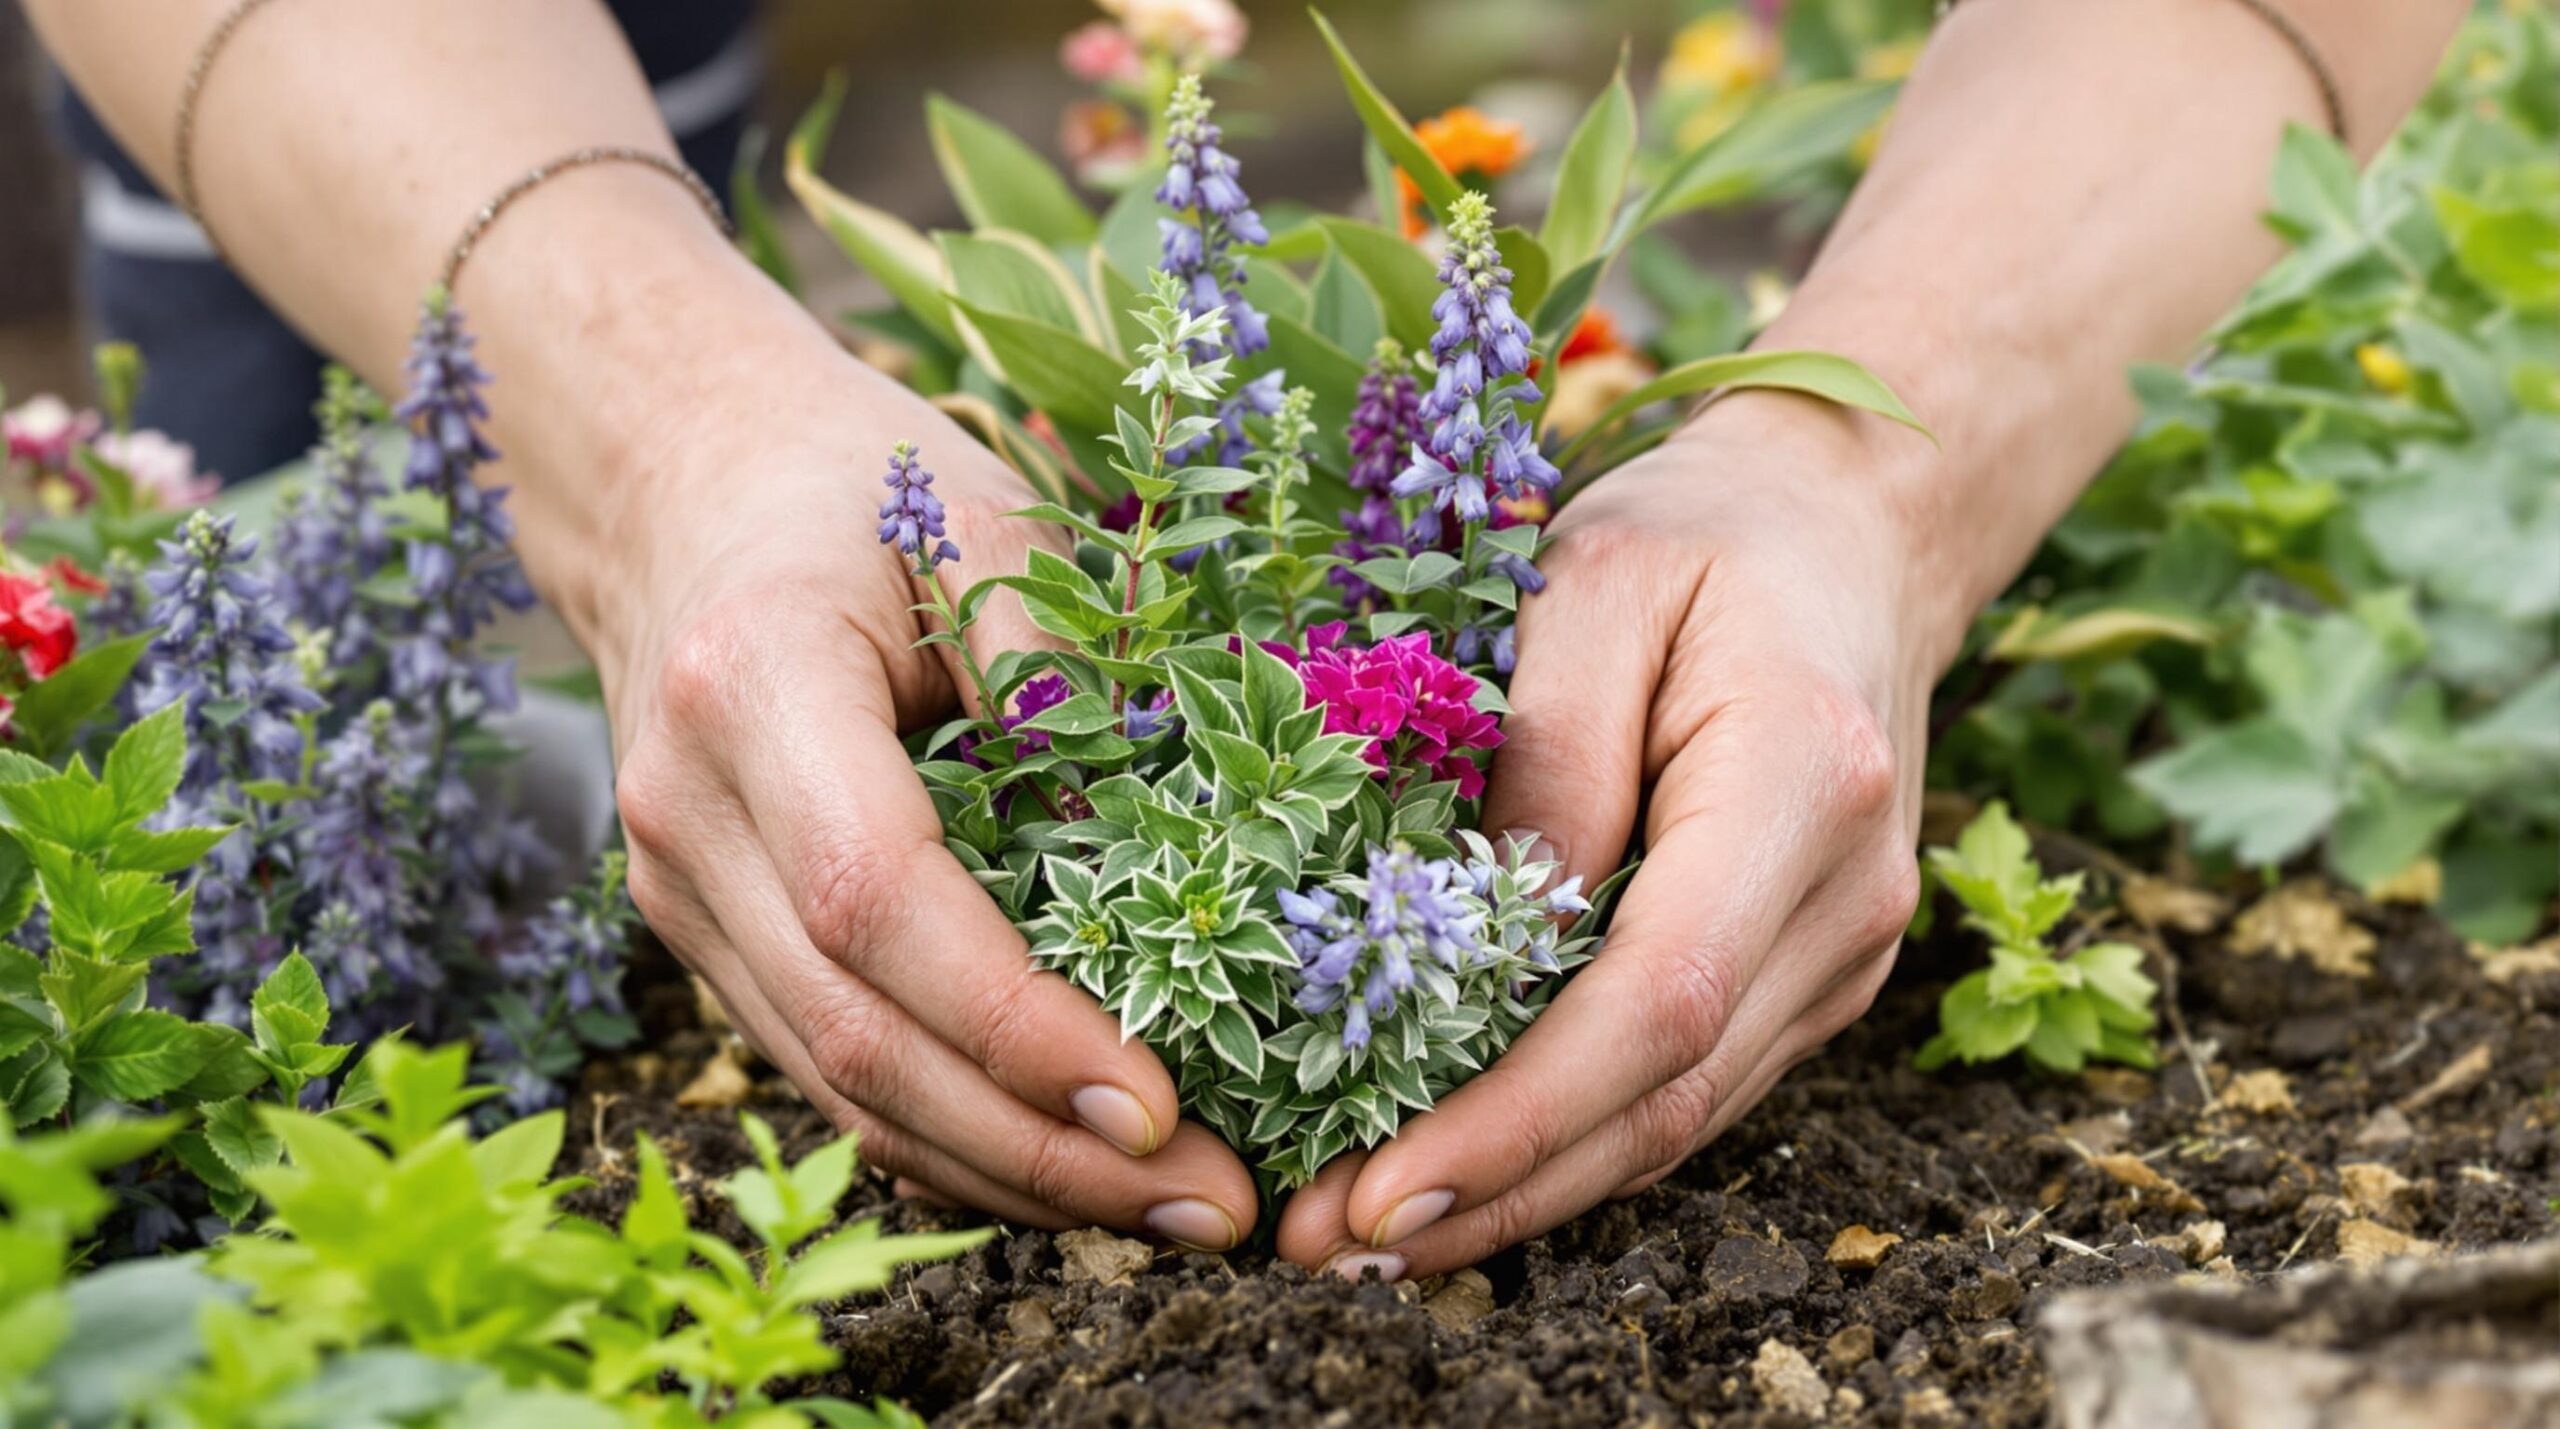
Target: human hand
x,y
1733,621
781,843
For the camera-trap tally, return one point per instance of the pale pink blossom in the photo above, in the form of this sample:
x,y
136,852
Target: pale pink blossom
x,y
43,430
163,471
1195,32
1101,52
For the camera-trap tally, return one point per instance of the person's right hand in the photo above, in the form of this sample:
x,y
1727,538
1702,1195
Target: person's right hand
x,y
758,669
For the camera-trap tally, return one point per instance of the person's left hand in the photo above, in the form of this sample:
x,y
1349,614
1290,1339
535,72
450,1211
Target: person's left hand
x,y
1738,621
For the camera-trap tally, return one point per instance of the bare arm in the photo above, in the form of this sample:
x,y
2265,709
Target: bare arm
x,y
697,464
1749,620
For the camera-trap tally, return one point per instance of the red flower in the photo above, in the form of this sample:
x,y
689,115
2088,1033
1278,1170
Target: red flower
x,y
67,571
38,631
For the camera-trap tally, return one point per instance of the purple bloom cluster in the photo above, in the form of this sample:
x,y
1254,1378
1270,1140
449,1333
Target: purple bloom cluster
x,y
913,515
1479,445
564,987
333,538
1359,961
1386,423
360,856
1211,216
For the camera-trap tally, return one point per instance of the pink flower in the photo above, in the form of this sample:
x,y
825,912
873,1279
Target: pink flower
x,y
1195,32
163,471
1103,141
1417,709
43,430
1100,52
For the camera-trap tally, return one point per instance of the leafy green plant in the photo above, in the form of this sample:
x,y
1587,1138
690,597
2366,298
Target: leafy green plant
x,y
2062,1009
408,1272
50,1194
2313,604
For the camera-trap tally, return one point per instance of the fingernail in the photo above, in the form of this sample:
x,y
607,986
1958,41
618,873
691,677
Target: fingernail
x,y
1116,1117
1195,1224
1411,1215
1389,1265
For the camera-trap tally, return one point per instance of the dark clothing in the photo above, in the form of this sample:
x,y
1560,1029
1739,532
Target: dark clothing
x,y
226,374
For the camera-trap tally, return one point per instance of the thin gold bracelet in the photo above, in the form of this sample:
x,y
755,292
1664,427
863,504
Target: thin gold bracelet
x,y
191,202
2332,102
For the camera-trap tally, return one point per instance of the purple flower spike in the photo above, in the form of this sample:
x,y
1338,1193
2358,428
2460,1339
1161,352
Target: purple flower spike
x,y
912,516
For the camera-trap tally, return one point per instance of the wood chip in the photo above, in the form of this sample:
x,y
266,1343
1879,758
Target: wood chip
x,y
1788,1382
2421,884
2387,1127
2374,1190
2363,1243
2265,1092
723,1081
2129,1170
2118,1086
2199,1242
2304,920
1463,1299
2160,903
1858,1248
1101,1257
2459,1075
707,1006
2098,1135
2507,966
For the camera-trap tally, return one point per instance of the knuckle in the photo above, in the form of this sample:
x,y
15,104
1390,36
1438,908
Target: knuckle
x,y
1051,1168
651,802
850,892
1860,766
849,1044
1522,1140
1499,1225
709,662
1695,993
653,890
1004,1024
1883,908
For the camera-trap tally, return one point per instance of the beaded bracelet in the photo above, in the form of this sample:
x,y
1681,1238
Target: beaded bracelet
x,y
487,214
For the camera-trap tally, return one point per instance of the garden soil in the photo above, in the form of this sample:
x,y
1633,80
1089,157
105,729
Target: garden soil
x,y
1871,1246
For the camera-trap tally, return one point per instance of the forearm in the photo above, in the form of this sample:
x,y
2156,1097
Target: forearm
x,y
2066,189
341,147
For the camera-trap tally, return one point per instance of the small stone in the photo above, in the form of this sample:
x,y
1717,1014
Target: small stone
x,y
1101,1257
937,1284
1994,1297
1930,1406
1847,1402
1030,1322
1747,1265
1465,1298
2365,1243
722,1082
2304,920
2458,1076
2420,885
2374,1190
1788,1382
2160,903
1858,1248
2264,1092
2129,1170
2506,966
1844,1352
2387,1127
2100,1134
2118,1086
2199,1242
1910,1354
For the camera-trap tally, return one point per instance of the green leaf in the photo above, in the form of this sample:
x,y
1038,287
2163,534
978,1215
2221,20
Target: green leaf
x,y
144,766
137,1056
1386,125
84,990
1404,281
1232,1037
294,985
2256,788
1819,374
1000,182
70,813
1593,176
50,711
1005,272
2511,252
2314,187
1341,307
244,1143
1193,533
1272,691
903,260
1791,133
1053,369
1240,763
1077,714
164,851
519,1155
42,1088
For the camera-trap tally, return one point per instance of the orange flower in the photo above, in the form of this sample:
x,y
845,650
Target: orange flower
x,y
1596,335
1470,144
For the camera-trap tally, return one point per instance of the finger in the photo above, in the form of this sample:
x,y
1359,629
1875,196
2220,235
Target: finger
x,y
1314,1234
1746,839
992,543
906,1189
870,1051
858,848
1571,764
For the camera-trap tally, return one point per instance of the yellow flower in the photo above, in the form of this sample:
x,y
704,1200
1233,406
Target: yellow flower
x,y
1723,52
2387,370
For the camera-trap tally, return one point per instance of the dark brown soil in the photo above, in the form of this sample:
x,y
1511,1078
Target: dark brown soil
x,y
1652,1311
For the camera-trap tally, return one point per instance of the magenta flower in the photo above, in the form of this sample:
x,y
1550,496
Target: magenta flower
x,y
1417,709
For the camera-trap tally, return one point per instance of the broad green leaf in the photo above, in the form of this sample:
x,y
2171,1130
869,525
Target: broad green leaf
x,y
2512,252
903,260
236,1135
520,1154
163,851
1232,1036
2257,789
1000,182
2106,634
1592,177
144,766
1005,272
1793,132
50,711
1272,691
1403,280
137,1056
294,984
1819,374
1053,369
1386,125
1077,714
84,990
1342,309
